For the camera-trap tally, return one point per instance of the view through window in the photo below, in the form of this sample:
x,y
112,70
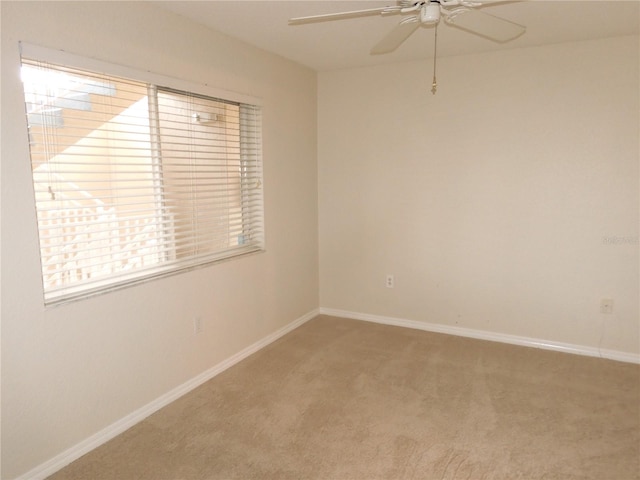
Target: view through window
x,y
134,180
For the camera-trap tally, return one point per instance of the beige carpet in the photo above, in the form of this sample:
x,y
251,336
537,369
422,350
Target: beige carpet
x,y
343,399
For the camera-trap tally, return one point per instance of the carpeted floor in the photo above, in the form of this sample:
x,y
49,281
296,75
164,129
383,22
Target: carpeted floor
x,y
344,399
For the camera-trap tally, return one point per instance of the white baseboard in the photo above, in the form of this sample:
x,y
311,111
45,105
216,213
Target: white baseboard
x,y
63,459
486,335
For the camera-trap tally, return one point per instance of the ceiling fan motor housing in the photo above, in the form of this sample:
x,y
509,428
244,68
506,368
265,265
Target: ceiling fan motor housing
x,y
430,13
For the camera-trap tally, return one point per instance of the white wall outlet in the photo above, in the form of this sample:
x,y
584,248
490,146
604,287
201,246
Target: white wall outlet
x,y
197,325
606,305
390,281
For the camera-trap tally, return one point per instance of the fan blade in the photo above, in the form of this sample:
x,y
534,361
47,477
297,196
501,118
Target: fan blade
x,y
344,15
480,3
486,25
395,37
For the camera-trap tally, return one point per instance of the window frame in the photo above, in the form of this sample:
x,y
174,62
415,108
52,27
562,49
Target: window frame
x,y
120,281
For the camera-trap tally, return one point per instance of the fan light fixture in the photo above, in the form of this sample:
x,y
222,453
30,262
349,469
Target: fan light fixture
x,y
430,14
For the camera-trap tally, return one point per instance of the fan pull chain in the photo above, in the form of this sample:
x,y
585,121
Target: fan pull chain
x,y
434,85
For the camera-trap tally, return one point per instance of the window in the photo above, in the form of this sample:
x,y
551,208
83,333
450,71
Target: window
x,y
135,180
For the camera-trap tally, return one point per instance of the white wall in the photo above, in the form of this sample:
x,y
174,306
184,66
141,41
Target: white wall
x,y
490,201
70,371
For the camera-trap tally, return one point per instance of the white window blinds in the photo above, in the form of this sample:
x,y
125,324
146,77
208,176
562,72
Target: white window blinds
x,y
134,180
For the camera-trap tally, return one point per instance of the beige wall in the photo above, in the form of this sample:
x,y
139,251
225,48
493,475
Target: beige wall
x,y
506,203
70,371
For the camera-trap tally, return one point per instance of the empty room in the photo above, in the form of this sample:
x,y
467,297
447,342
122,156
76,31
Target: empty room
x,y
320,240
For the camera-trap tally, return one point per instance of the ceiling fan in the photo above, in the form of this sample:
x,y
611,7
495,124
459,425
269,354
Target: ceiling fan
x,y
458,13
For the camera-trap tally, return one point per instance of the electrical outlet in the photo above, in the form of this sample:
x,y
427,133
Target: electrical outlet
x,y
197,325
390,281
606,305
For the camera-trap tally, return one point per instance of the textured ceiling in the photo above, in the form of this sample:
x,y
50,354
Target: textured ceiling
x,y
346,43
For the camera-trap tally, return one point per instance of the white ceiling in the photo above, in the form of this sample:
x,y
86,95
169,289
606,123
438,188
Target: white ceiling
x,y
346,43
